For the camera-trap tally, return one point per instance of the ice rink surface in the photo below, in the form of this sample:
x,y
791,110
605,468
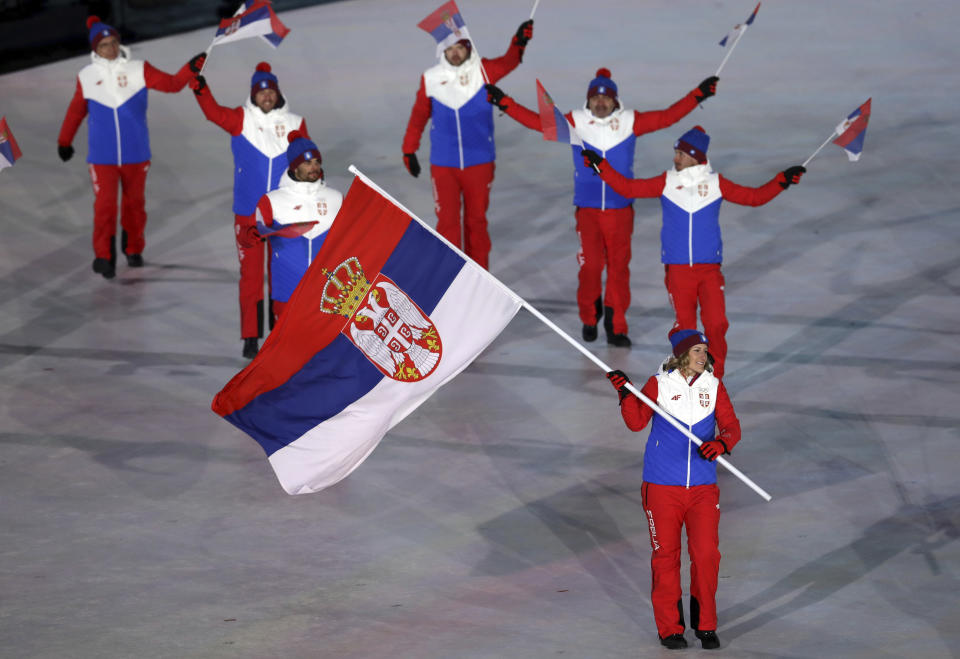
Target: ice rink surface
x,y
502,518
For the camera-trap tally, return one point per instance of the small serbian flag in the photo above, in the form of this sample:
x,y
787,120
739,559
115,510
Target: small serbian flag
x,y
852,130
386,314
292,230
9,151
446,26
739,27
553,124
254,21
273,38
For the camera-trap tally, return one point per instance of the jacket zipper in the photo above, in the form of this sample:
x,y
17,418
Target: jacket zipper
x,y
456,114
116,125
603,189
690,237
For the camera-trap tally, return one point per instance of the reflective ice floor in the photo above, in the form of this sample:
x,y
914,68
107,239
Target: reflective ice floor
x,y
503,517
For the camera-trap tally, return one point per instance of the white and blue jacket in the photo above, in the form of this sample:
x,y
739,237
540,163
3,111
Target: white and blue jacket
x,y
116,95
669,457
260,154
296,201
613,138
461,131
691,202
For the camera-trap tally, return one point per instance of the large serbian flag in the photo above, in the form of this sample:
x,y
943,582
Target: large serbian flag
x,y
446,26
9,151
853,130
553,124
256,19
386,314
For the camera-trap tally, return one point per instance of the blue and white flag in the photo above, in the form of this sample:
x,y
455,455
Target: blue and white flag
x,y
272,38
739,27
386,314
256,19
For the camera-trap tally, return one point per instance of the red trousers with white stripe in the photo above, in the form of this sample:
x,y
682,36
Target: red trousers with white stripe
x,y
604,243
252,263
700,283
106,180
472,184
668,509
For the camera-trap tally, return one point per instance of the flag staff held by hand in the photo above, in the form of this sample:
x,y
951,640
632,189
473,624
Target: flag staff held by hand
x,y
534,10
850,133
566,337
740,30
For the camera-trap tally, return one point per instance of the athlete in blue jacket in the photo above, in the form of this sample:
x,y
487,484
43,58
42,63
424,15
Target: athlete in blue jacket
x,y
691,248
111,93
680,482
462,150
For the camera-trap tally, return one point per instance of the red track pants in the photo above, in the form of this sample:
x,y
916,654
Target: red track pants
x,y
106,180
688,285
604,242
252,262
473,185
668,508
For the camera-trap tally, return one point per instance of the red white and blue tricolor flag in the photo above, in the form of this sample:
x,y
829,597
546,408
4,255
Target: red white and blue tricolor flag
x,y
446,26
273,38
386,314
9,151
255,19
553,124
732,35
853,130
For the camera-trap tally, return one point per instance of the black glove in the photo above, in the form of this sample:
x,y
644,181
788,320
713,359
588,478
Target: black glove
x,y
791,176
713,449
495,96
198,84
707,88
196,63
412,164
619,381
591,159
524,33
65,152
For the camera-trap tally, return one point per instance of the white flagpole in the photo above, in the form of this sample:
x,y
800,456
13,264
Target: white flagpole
x,y
566,337
819,148
534,10
207,58
732,46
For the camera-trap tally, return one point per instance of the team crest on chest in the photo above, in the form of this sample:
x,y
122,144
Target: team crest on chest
x,y
704,399
703,189
281,130
122,80
614,124
464,79
389,328
322,207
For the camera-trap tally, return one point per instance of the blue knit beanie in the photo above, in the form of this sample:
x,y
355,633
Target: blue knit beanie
x,y
602,84
99,31
301,149
695,142
263,79
684,339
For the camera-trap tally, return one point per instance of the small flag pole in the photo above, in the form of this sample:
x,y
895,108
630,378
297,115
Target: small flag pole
x,y
207,58
819,148
730,52
534,10
566,337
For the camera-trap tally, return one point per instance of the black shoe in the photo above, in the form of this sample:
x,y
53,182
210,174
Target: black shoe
x,y
105,268
674,642
708,639
135,260
619,340
251,347
589,332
